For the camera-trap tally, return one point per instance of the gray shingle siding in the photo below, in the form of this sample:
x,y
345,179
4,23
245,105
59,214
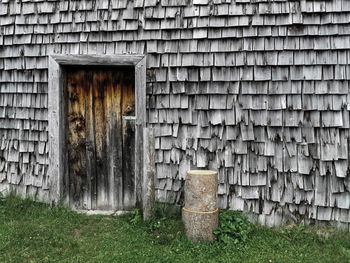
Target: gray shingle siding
x,y
255,89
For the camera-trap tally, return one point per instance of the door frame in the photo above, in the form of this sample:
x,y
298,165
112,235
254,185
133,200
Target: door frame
x,y
56,115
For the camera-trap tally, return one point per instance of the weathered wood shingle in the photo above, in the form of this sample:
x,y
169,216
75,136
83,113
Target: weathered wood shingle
x,y
258,90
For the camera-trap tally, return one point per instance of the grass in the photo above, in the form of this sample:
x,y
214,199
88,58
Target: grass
x,y
34,232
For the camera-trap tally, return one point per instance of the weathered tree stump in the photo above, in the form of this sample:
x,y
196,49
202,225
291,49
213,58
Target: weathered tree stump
x,y
200,213
199,226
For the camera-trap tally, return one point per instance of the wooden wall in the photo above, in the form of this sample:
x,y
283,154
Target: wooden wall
x,y
257,90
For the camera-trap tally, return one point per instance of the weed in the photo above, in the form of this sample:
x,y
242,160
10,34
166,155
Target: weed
x,y
234,227
136,218
157,223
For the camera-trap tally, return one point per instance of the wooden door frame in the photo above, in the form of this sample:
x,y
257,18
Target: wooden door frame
x,y
56,115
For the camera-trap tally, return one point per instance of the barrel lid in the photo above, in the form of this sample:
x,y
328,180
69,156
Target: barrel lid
x,y
202,172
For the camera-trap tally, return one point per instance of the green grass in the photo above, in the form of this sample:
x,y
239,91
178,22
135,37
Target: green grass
x,y
34,232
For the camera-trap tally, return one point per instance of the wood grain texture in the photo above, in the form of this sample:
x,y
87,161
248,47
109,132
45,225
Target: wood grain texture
x,y
117,140
101,145
76,134
149,173
90,144
201,189
141,121
199,227
55,171
95,60
128,135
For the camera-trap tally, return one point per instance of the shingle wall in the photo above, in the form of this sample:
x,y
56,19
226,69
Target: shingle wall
x,y
255,89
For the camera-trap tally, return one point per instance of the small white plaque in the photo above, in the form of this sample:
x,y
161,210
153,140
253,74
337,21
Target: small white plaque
x,y
129,118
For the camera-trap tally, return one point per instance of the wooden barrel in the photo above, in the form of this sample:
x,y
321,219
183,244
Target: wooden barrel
x,y
200,213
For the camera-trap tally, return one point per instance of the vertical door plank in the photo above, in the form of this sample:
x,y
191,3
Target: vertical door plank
x,y
109,117
100,131
106,85
82,94
65,101
76,138
128,109
90,142
117,140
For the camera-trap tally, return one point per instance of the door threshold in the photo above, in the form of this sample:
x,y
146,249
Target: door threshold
x,y
103,212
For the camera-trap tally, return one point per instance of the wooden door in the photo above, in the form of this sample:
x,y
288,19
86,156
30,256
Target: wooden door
x,y
100,132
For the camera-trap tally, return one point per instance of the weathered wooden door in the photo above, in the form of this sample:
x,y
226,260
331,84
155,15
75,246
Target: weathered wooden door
x,y
100,133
